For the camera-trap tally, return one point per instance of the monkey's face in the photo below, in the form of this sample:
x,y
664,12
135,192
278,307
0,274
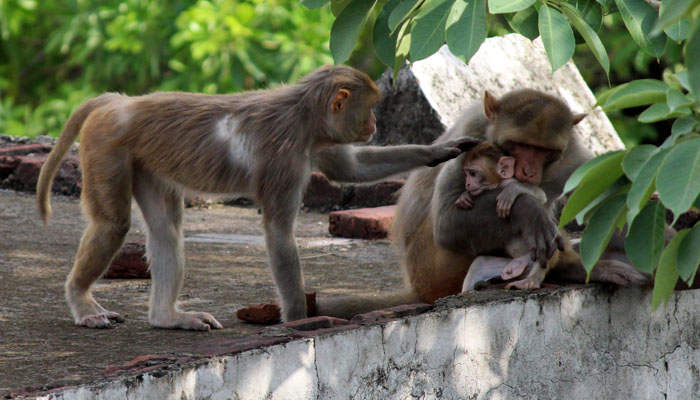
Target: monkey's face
x,y
355,120
480,175
530,160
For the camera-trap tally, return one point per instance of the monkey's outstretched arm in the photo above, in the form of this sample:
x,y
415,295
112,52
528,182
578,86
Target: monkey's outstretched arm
x,y
348,163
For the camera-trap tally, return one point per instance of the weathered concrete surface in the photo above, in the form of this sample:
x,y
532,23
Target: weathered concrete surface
x,y
569,343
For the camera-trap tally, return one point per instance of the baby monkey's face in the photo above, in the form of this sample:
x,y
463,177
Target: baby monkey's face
x,y
484,173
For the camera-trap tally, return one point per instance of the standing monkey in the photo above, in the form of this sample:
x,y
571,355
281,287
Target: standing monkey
x,y
260,143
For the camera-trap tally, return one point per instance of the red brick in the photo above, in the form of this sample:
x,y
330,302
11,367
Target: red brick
x,y
130,263
321,193
375,194
363,223
270,313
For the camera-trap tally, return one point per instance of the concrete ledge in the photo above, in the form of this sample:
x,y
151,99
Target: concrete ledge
x,y
577,343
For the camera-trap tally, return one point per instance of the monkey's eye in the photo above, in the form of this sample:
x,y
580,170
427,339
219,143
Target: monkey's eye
x,y
472,173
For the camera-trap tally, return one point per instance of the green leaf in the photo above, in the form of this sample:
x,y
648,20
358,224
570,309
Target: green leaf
x,y
595,181
667,272
557,36
602,225
312,4
346,29
428,33
383,40
524,22
588,34
643,186
639,18
669,12
403,45
466,27
621,185
683,78
636,93
689,255
692,59
656,112
337,6
678,182
401,13
645,239
635,159
681,126
591,12
508,6
678,31
582,170
675,99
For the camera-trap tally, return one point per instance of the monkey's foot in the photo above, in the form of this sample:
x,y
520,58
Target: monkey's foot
x,y
525,284
515,268
194,321
618,272
105,320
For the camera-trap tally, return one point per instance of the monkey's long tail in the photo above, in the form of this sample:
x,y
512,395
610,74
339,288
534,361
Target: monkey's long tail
x,y
68,135
349,306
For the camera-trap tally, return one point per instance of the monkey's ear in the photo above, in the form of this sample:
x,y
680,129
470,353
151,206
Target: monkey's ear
x,y
506,167
578,117
338,103
490,105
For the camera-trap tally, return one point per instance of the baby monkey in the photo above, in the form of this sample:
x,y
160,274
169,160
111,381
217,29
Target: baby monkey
x,y
485,168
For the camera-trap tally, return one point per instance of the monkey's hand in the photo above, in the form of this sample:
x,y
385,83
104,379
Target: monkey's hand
x,y
539,228
441,152
464,201
505,199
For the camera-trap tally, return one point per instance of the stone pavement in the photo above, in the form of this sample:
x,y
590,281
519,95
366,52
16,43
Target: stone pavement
x,y
40,348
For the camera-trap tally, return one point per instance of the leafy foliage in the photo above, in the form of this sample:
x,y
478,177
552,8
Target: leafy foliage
x,y
614,190
56,53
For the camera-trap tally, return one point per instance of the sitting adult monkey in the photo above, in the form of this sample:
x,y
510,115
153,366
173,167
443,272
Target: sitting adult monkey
x,y
259,143
438,241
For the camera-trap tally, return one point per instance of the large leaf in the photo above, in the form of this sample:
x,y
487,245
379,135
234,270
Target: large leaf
x,y
692,59
659,112
602,225
678,181
621,185
508,6
588,34
639,18
337,6
428,33
643,186
670,12
383,40
667,272
636,93
645,239
635,159
346,29
403,45
680,127
582,170
466,27
524,22
401,12
689,255
591,12
314,3
596,180
675,99
557,36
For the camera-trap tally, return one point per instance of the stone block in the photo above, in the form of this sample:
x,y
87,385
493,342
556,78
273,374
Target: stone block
x,y
362,223
130,263
25,149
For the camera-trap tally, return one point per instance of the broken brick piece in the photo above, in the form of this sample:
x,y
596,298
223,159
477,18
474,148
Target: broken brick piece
x,y
270,313
362,223
130,263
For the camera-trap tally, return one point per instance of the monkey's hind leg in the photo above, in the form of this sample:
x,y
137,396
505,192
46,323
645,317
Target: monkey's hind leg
x,y
162,208
107,204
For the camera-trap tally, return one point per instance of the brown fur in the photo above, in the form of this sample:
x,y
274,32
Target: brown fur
x,y
260,143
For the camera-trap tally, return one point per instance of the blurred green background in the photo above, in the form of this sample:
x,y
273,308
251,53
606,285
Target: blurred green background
x,y
57,53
